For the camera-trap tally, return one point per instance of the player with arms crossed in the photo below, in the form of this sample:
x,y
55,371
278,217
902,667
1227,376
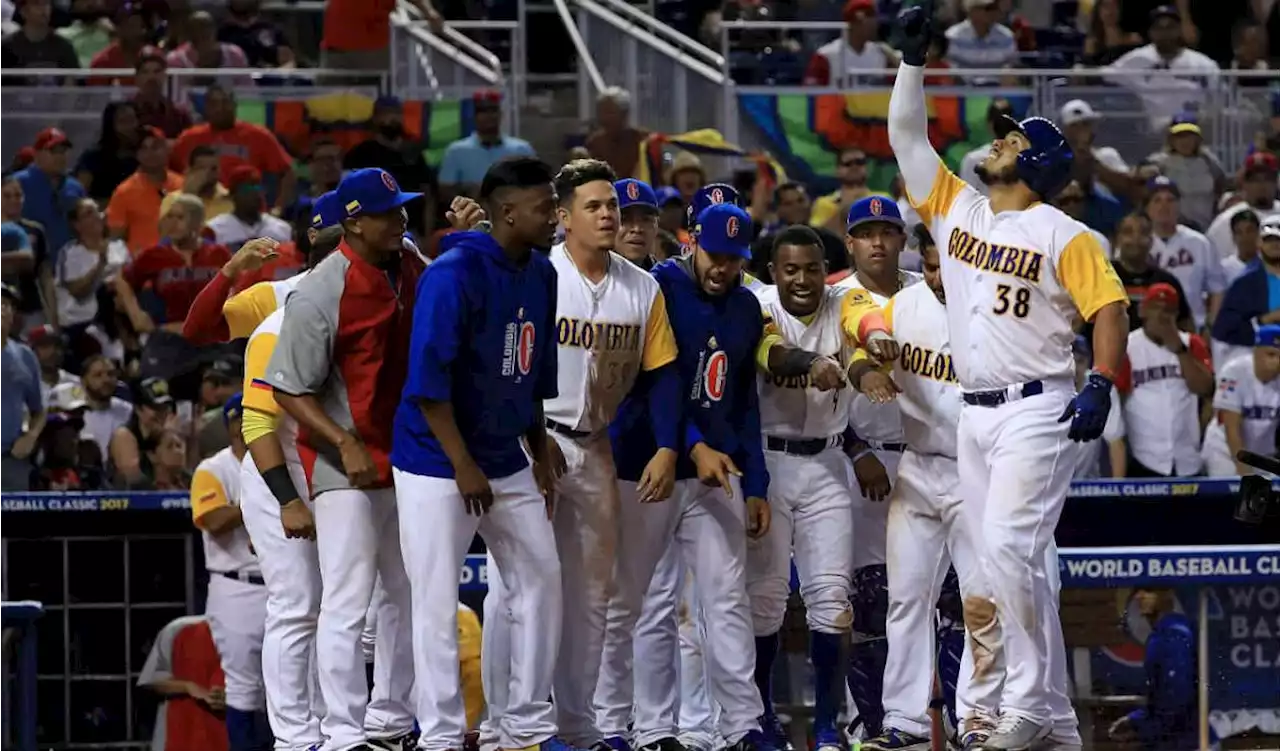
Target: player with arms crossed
x,y
482,362
1016,272
813,332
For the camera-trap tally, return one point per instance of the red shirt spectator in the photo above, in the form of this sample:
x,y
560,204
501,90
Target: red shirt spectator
x,y
362,25
152,102
133,25
180,266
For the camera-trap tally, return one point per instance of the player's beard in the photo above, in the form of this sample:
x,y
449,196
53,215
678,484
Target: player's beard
x,y
989,177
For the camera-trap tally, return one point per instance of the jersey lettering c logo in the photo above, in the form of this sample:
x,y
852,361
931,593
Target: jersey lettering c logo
x,y
524,352
714,375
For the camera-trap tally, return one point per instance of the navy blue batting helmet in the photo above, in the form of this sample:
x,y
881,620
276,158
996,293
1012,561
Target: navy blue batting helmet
x,y
1046,165
708,196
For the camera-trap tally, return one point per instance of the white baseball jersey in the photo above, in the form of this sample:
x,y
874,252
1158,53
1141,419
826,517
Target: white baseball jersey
x,y
790,407
878,424
930,400
1188,255
1014,282
606,333
216,484
1160,412
1257,403
258,394
246,310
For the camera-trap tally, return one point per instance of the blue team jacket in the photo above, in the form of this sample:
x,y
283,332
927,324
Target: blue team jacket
x,y
1169,719
717,339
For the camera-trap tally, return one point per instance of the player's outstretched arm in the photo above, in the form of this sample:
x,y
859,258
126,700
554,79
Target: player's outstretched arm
x,y
918,162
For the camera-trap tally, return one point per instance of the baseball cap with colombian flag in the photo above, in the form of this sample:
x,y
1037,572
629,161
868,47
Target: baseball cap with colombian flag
x,y
371,191
725,228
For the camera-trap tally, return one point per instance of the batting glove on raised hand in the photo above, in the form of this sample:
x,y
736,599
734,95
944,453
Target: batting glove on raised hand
x,y
914,30
1088,410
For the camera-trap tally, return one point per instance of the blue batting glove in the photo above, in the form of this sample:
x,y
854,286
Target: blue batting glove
x,y
1088,410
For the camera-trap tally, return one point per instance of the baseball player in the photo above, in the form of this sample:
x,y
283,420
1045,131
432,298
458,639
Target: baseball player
x,y
1246,406
638,231
237,596
804,421
1016,273
708,196
875,237
927,527
337,369
481,365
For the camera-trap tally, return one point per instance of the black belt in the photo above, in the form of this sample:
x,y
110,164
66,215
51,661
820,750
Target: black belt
x,y
802,446
567,431
1000,396
236,576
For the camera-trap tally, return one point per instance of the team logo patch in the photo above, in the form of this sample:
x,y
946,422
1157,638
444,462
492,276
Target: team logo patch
x,y
731,227
633,191
1227,385
714,375
717,195
524,355
390,182
877,207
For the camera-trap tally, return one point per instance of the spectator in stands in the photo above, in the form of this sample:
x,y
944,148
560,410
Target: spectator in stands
x,y
114,157
1196,170
131,452
1099,168
1258,189
47,344
615,140
21,405
237,143
133,214
1246,407
1139,272
1165,371
262,41
998,108
26,264
791,205
222,380
155,107
86,274
1169,718
68,460
48,191
670,210
203,50
35,45
1245,232
16,254
246,220
184,248
201,180
1071,200
1106,40
104,411
1089,461
392,149
133,24
466,160
184,668
1253,299
324,172
89,31
829,211
1249,43
981,41
1165,95
848,60
1184,252
686,175
357,34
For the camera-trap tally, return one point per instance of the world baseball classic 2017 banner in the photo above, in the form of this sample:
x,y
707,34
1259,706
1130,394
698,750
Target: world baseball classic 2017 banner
x,y
806,131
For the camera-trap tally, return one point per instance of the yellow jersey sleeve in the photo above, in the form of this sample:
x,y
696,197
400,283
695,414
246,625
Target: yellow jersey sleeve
x,y
1088,276
659,339
207,494
245,311
770,337
258,394
859,316
469,637
888,314
824,207
255,423
946,188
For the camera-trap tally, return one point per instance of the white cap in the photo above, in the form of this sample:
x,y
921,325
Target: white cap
x,y
67,397
1077,111
1271,229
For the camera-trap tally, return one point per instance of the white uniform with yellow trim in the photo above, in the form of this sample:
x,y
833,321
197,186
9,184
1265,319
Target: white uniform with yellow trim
x,y
237,598
607,333
1014,282
246,310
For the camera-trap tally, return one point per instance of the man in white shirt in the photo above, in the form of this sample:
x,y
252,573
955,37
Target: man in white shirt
x,y
1258,189
246,220
104,411
1191,74
1097,167
855,57
1184,252
48,345
981,41
1246,407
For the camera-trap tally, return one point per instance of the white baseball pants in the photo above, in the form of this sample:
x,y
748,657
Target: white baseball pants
x,y
871,518
389,679
710,529
495,662
928,531
657,698
436,532
291,569
1016,464
699,714
237,612
812,504
358,534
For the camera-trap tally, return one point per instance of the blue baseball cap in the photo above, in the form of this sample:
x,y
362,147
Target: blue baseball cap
x,y
326,211
874,209
667,195
233,408
1267,335
1160,182
371,191
708,196
724,228
633,192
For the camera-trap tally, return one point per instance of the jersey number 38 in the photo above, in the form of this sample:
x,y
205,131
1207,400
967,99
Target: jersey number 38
x,y
1012,300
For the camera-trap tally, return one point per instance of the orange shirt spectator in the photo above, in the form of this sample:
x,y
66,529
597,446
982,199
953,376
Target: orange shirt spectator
x,y
133,214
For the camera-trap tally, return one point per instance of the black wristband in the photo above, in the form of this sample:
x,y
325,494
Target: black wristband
x,y
795,362
280,483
